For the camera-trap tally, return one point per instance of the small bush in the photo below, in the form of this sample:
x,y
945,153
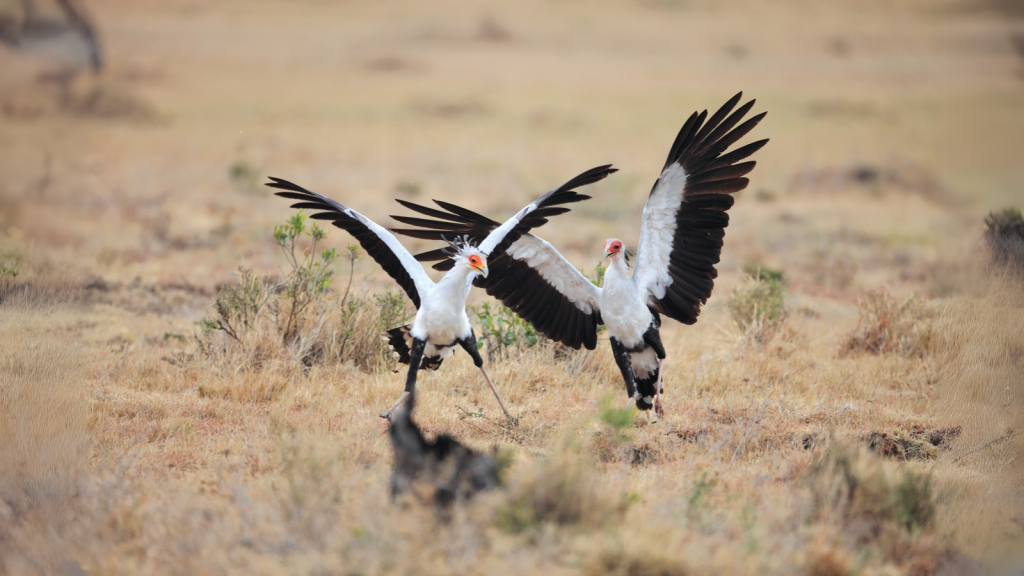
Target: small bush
x,y
883,509
888,325
564,489
299,316
758,304
764,273
1004,234
866,495
611,440
599,271
501,330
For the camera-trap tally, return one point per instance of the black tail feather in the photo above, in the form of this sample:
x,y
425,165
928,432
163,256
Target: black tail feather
x,y
400,341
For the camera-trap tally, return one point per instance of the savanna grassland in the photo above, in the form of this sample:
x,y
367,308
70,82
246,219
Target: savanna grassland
x,y
862,415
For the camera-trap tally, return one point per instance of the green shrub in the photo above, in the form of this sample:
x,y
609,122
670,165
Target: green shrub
x,y
599,271
758,304
501,330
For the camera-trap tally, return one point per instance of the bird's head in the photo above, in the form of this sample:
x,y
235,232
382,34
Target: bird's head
x,y
477,260
612,247
462,251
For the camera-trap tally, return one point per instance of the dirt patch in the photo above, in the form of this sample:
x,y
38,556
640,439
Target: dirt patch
x,y
164,298
919,443
688,435
643,455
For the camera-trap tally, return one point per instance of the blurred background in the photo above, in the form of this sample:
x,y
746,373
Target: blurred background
x,y
134,137
134,141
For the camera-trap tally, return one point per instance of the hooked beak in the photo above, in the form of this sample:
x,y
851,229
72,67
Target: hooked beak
x,y
607,252
483,271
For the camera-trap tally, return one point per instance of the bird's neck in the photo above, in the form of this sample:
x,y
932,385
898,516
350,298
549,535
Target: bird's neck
x,y
457,281
617,272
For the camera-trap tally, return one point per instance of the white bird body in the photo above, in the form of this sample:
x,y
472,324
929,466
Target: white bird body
x,y
623,308
442,319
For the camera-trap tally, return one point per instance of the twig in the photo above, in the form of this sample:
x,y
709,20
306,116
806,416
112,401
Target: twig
x,y
1004,437
351,272
466,415
226,328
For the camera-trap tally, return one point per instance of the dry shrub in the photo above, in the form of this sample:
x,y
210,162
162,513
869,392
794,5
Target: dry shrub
x,y
876,504
564,489
333,329
758,305
299,317
888,325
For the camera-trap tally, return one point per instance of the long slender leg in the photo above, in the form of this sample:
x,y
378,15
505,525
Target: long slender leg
x,y
657,390
415,358
469,345
653,338
496,397
622,360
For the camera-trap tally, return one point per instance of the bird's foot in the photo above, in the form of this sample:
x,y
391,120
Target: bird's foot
x,y
390,411
634,401
657,407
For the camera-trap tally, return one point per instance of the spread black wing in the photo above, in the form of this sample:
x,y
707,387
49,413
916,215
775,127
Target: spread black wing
x,y
525,273
378,242
685,217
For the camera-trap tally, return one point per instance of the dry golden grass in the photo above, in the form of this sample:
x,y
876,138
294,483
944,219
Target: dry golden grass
x,y
895,128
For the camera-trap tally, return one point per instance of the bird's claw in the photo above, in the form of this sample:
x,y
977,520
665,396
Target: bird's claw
x,y
633,401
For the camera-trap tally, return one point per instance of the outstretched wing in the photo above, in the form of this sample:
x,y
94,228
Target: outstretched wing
x,y
536,213
378,242
525,273
685,217
489,236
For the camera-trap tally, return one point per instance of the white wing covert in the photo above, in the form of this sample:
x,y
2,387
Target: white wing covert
x,y
685,217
